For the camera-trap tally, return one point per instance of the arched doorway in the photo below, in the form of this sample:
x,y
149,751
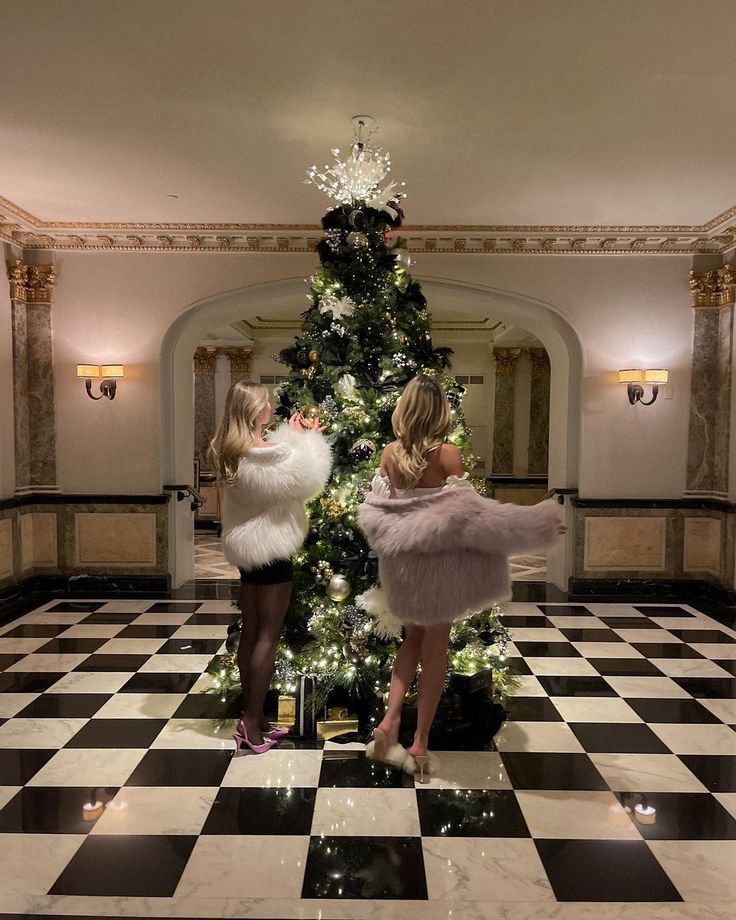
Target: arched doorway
x,y
177,403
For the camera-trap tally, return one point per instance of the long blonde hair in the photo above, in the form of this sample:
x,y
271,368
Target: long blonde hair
x,y
420,421
237,431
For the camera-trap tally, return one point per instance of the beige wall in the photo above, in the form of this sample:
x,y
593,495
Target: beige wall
x,y
626,312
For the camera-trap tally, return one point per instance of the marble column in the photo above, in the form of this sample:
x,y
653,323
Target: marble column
x,y
240,361
31,295
710,396
204,402
539,412
503,420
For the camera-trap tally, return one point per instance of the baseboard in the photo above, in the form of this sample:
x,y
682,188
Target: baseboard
x,y
664,588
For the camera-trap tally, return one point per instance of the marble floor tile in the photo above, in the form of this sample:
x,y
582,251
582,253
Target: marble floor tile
x,y
679,711
52,810
537,736
540,771
18,765
121,606
469,770
119,663
704,635
131,646
91,631
161,619
217,607
728,800
21,646
201,632
279,767
244,867
169,767
596,709
527,685
689,667
723,688
696,739
63,706
579,686
660,636
520,634
702,870
117,733
148,631
141,706
31,631
38,733
88,767
192,647
47,663
195,733
25,683
714,650
470,813
569,610
460,869
646,773
531,709
643,687
32,862
607,650
624,737
167,683
7,793
563,622
366,812
718,773
575,814
545,649
12,703
666,650
176,664
89,682
680,816
279,810
355,770
61,619
625,667
159,810
564,666
725,710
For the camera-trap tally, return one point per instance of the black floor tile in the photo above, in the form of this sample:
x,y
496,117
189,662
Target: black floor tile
x,y
213,619
112,866
154,682
261,811
27,681
532,709
105,662
547,649
110,618
76,606
708,688
200,706
173,767
7,660
17,766
174,607
353,768
64,706
531,770
716,772
630,623
604,870
683,712
665,612
625,667
117,733
148,631
590,635
703,635
728,664
681,816
71,646
35,631
615,738
518,666
191,647
384,868
49,810
665,650
576,686
470,813
526,622
565,610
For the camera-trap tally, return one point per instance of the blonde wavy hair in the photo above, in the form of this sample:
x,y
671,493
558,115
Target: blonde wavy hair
x,y
237,431
420,421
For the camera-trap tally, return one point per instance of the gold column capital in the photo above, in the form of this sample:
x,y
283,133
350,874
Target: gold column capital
x,y
31,283
240,359
539,358
714,289
204,360
506,360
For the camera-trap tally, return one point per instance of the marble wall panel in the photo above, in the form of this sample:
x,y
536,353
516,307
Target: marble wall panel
x,y
625,543
539,412
6,547
702,545
204,414
20,396
115,539
41,409
503,422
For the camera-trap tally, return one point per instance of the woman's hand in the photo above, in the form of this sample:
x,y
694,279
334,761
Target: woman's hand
x,y
299,423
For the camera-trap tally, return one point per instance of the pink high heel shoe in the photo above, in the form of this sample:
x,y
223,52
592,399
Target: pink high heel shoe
x,y
241,738
276,733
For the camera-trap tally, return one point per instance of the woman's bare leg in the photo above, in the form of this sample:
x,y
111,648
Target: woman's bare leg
x,y
402,676
431,681
272,602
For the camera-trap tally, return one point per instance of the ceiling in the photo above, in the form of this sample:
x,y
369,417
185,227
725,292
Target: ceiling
x,y
496,113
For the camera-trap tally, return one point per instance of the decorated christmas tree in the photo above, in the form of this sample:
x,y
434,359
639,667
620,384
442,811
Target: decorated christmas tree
x,y
365,333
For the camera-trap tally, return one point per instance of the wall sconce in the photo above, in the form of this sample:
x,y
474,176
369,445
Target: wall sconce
x,y
634,378
110,373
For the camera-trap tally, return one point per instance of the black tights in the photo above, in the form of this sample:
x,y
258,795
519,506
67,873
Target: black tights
x,y
263,610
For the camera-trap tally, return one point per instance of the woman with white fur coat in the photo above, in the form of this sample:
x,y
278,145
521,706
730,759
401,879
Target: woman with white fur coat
x,y
443,555
264,485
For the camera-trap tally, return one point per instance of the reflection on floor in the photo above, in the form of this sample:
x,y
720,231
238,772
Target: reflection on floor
x,y
613,780
209,561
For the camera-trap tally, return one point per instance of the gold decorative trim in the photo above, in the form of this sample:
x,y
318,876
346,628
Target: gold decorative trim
x,y
506,360
204,360
714,289
31,283
240,359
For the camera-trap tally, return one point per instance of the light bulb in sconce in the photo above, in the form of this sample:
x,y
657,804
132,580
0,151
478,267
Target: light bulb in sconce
x,y
110,374
633,378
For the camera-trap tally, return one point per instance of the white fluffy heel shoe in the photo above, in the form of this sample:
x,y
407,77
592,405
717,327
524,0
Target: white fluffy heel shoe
x,y
395,755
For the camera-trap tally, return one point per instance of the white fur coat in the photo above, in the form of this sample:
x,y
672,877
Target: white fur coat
x,y
443,555
263,515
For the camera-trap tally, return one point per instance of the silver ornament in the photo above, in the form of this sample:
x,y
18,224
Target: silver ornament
x,y
339,588
356,238
233,641
403,259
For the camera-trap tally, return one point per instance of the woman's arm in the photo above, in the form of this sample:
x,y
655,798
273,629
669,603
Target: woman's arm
x,y
451,461
385,458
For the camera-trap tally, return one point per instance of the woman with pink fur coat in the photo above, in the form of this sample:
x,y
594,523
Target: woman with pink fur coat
x,y
443,555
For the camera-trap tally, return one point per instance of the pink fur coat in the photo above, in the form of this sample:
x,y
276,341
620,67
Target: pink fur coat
x,y
443,554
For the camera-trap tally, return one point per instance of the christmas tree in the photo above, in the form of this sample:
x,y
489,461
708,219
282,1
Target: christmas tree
x,y
365,334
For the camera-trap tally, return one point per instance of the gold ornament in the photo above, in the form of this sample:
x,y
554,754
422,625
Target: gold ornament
x,y
331,507
314,356
339,588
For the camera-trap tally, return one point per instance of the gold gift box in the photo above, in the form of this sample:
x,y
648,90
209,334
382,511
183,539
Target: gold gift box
x,y
287,710
329,728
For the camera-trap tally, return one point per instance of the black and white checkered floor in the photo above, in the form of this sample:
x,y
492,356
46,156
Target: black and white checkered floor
x,y
614,780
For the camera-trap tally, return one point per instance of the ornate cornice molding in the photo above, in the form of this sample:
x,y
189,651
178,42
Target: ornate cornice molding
x,y
714,289
29,232
31,283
